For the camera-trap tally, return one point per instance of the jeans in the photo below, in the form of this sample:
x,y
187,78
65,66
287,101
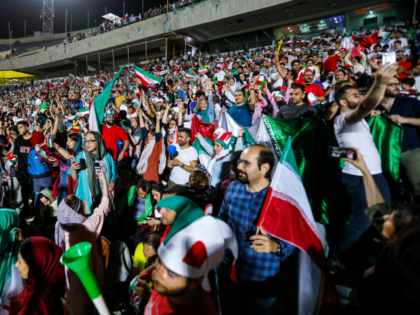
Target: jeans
x,y
134,162
359,222
245,297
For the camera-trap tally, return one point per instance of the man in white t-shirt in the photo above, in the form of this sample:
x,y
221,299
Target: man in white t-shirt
x,y
351,130
185,161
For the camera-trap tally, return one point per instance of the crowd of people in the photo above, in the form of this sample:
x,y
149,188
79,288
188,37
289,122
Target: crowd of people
x,y
161,170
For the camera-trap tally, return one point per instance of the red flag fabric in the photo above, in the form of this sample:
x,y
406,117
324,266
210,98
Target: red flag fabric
x,y
366,41
206,130
287,215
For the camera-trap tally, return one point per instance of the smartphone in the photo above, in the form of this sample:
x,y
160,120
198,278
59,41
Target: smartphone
x,y
82,164
389,59
72,159
97,168
339,152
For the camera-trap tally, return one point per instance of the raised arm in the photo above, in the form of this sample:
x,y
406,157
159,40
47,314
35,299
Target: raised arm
x,y
374,96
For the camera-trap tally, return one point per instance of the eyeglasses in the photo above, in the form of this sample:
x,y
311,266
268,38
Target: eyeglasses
x,y
90,141
393,84
355,95
244,162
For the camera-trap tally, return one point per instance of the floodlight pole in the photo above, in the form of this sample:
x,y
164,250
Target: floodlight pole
x,y
47,15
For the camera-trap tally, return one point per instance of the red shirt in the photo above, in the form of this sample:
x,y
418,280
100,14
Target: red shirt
x,y
316,89
161,305
406,65
111,136
330,64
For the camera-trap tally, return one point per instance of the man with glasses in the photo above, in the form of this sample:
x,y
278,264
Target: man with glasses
x,y
258,264
405,111
351,130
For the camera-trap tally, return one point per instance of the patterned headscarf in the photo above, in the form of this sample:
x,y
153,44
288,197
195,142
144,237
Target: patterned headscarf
x,y
67,220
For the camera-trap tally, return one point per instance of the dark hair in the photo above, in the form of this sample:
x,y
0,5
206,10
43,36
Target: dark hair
x,y
73,136
23,122
26,252
186,130
298,86
122,114
295,61
199,94
341,94
408,81
175,190
234,157
340,84
266,156
331,52
71,201
43,196
403,215
144,185
153,239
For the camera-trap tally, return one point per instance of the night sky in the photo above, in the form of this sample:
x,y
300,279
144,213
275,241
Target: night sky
x,y
16,11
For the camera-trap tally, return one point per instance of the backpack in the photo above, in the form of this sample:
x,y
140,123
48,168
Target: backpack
x,y
35,166
119,266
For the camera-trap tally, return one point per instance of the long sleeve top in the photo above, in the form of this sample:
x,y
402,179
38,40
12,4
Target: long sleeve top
x,y
88,231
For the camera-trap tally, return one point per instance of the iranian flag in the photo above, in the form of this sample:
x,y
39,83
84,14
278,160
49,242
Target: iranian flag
x,y
199,126
203,157
72,76
203,70
146,78
97,109
136,90
189,76
316,38
289,42
161,73
306,40
287,215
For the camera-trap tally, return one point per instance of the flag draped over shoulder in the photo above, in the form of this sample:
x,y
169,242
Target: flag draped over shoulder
x,y
388,138
321,176
97,109
287,215
203,157
206,130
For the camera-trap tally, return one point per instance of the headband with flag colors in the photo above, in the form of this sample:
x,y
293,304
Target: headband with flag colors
x,y
196,243
146,78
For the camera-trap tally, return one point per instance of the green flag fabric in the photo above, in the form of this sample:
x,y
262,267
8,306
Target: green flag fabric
x,y
321,175
97,110
388,138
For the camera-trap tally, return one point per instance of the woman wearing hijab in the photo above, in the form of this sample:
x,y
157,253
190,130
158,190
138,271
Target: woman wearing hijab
x,y
10,280
38,167
75,226
39,265
135,142
219,165
64,184
88,188
153,158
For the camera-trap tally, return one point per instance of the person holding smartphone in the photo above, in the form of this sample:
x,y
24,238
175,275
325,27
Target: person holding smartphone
x,y
88,189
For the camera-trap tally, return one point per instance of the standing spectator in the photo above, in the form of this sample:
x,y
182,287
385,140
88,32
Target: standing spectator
x,y
405,111
22,147
185,161
260,257
352,130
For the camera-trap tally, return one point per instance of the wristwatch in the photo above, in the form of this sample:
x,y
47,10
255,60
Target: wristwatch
x,y
182,166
